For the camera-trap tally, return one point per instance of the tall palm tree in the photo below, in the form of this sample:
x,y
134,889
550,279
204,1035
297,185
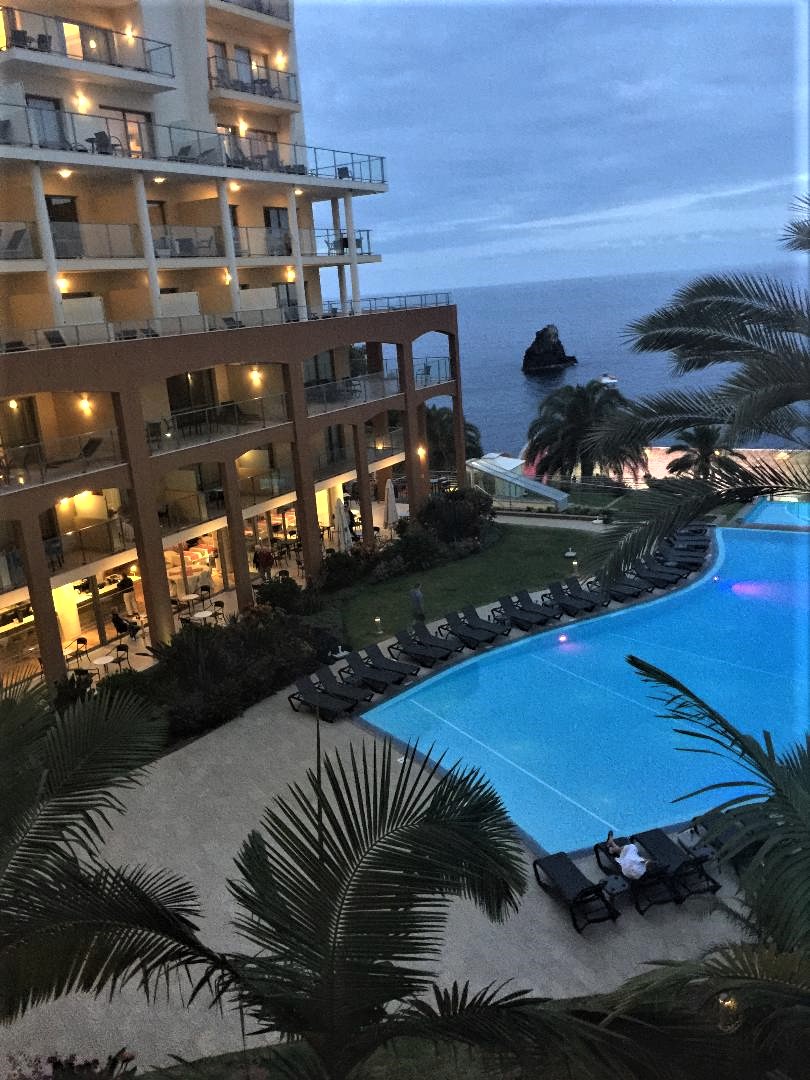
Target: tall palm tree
x,y
699,448
441,437
557,438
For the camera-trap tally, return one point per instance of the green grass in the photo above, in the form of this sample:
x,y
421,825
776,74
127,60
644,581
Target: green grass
x,y
522,558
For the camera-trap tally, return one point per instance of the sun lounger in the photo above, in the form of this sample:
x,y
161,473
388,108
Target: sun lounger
x,y
469,636
658,580
561,878
425,655
85,453
424,637
331,684
525,603
357,670
623,589
689,560
569,604
677,573
385,663
523,620
686,871
306,694
654,887
599,596
472,618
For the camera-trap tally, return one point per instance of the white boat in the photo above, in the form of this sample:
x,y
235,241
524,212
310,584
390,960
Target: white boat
x,y
608,380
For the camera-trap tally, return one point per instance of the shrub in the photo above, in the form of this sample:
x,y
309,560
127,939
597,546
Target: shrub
x,y
456,515
288,595
418,549
344,568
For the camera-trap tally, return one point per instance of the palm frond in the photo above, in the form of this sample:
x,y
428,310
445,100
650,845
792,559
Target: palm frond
x,y
796,236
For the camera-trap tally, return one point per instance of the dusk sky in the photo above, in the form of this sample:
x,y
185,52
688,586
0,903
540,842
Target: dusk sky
x,y
552,140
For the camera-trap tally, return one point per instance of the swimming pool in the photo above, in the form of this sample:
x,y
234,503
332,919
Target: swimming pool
x,y
571,737
779,512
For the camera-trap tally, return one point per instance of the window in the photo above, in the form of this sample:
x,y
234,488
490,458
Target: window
x,y
195,389
218,62
157,211
132,129
49,129
319,369
61,208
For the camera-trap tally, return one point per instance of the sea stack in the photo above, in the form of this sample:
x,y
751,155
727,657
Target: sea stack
x,y
546,351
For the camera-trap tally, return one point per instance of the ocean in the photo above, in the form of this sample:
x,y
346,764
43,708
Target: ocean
x,y
498,323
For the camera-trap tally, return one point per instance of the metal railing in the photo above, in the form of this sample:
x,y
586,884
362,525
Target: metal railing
x,y
393,442
431,370
172,325
65,36
329,242
266,485
70,455
180,511
248,77
343,393
69,132
18,240
278,9
82,546
325,465
256,240
208,423
86,240
188,241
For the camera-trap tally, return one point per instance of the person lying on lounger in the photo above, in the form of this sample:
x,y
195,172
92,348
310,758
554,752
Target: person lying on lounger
x,y
632,865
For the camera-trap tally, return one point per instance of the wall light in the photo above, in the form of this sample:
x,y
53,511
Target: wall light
x,y
243,127
92,43
234,186
63,284
158,179
85,404
129,34
64,502
66,173
421,453
82,103
255,376
226,277
298,191
289,274
20,479
280,60
13,404
133,569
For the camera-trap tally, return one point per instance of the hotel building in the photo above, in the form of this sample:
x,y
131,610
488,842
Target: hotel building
x,y
187,362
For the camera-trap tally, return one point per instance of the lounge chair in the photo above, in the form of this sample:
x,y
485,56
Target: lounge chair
x,y
425,655
525,603
358,671
561,878
469,636
688,560
84,454
657,580
601,596
377,657
569,604
447,644
523,620
686,871
623,589
331,684
493,624
230,323
55,339
330,708
677,573
656,886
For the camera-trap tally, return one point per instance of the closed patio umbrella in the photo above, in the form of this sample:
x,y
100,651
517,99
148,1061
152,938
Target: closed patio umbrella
x,y
343,534
391,514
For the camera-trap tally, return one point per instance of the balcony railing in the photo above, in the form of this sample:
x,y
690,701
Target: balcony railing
x,y
267,485
431,370
278,9
83,41
181,511
255,240
393,442
325,465
188,241
56,459
327,397
328,242
78,547
172,325
71,132
86,240
18,240
250,78
191,427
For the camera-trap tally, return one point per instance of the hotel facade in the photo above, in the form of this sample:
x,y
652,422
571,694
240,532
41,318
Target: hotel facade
x,y
188,365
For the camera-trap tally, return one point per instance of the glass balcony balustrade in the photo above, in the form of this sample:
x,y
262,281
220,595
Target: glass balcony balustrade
x,y
73,132
43,462
18,240
61,35
191,427
78,547
277,9
89,240
343,393
431,370
383,446
248,77
266,485
188,241
326,242
178,512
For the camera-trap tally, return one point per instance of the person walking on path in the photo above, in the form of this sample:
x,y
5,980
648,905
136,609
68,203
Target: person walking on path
x,y
417,602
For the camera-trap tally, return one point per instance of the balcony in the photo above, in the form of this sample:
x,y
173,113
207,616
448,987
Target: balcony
x,y
249,78
431,370
173,325
111,138
87,240
29,37
78,547
255,241
342,394
328,243
57,459
276,9
18,240
393,442
192,427
188,241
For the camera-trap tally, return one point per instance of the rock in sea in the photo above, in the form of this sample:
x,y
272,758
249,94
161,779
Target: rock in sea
x,y
546,351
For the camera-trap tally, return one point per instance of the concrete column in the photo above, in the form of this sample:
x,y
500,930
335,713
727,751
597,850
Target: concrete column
x,y
363,484
230,247
142,505
298,265
145,227
348,214
459,440
424,459
306,510
46,245
236,531
222,548
410,425
38,576
374,357
341,270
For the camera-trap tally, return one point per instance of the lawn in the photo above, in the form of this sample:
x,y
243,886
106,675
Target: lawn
x,y
522,558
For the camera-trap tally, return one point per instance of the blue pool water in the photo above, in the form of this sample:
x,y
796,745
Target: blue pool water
x,y
571,737
780,512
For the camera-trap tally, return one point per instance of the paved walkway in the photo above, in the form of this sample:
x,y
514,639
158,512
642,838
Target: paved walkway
x,y
538,522
191,815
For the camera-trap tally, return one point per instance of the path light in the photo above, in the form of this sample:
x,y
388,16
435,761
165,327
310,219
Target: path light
x,y
575,564
569,554
378,624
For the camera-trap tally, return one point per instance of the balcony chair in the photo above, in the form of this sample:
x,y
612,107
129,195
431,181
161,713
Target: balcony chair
x,y
55,339
44,42
231,323
20,40
12,249
185,153
103,143
86,452
15,346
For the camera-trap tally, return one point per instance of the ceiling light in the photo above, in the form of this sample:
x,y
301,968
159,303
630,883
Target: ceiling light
x,y
158,179
298,191
62,284
289,274
66,173
234,186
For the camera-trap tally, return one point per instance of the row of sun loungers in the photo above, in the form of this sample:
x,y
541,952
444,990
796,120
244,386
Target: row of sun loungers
x,y
360,678
675,872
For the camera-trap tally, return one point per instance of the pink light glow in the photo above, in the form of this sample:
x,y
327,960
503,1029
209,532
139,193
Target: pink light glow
x,y
763,590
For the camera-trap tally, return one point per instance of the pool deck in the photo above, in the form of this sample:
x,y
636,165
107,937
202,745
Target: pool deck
x,y
190,816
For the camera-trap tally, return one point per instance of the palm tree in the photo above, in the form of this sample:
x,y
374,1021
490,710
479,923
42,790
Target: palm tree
x,y
558,437
441,437
700,447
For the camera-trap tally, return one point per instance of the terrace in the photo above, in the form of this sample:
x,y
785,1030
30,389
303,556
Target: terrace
x,y
255,79
44,462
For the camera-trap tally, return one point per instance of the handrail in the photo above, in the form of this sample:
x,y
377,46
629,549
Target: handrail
x,y
277,9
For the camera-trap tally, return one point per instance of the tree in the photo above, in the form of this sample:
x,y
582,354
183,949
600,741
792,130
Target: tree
x,y
761,326
558,437
440,437
700,447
